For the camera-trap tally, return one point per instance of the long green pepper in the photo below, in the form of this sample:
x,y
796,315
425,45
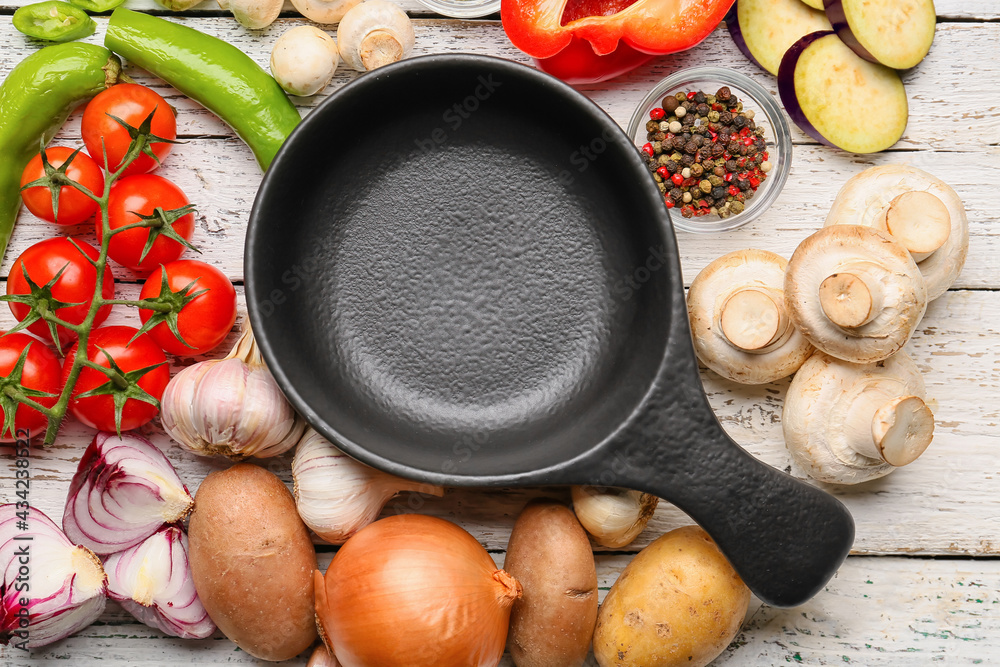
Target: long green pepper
x,y
36,98
212,72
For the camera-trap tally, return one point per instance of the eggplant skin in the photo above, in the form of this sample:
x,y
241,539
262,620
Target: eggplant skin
x,y
769,27
877,34
825,87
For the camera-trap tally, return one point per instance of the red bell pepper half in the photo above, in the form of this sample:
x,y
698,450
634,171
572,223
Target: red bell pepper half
x,y
586,41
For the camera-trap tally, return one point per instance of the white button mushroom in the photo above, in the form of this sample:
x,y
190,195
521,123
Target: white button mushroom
x,y
324,11
848,423
253,14
304,59
921,211
373,34
738,319
854,293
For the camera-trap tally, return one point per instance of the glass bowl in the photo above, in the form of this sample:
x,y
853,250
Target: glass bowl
x,y
463,9
767,114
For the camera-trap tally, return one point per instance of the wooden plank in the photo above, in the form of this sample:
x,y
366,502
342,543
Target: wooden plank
x,y
221,178
944,503
947,10
948,110
891,612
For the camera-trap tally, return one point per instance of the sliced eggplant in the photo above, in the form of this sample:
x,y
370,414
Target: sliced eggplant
x,y
896,33
815,4
764,29
839,98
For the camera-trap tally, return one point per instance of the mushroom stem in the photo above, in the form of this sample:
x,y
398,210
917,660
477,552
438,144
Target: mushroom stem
x,y
752,320
378,48
918,220
850,298
884,425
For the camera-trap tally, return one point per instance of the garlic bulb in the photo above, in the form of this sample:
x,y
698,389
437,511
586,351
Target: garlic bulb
x,y
123,491
230,406
613,517
51,587
152,581
337,496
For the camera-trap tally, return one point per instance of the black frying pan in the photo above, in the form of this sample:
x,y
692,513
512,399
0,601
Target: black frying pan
x,y
459,271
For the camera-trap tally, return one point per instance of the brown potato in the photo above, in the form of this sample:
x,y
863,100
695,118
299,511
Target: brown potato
x,y
679,602
553,622
252,562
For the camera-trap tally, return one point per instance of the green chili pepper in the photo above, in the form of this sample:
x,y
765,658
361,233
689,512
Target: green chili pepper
x,y
214,73
36,98
54,21
97,5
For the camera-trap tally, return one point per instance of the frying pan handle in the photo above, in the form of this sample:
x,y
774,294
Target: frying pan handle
x,y
784,537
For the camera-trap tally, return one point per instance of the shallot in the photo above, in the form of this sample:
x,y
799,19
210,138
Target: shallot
x,y
51,587
152,581
123,491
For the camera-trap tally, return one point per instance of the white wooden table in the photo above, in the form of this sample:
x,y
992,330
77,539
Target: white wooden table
x,y
923,583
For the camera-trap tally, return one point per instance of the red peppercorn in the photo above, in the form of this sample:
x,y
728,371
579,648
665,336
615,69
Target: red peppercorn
x,y
733,190
754,182
726,156
691,95
677,179
765,155
648,149
717,107
714,135
728,177
688,182
748,141
656,114
669,202
662,171
742,162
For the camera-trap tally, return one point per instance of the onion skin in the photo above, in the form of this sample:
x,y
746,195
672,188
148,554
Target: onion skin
x,y
123,491
64,590
417,591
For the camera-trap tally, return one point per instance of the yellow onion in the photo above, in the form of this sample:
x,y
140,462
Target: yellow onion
x,y
415,591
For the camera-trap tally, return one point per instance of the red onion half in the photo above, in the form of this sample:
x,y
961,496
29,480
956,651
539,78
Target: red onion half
x,y
152,581
123,491
51,587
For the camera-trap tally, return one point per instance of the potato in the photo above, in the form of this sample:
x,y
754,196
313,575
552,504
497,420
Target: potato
x,y
252,562
553,622
679,602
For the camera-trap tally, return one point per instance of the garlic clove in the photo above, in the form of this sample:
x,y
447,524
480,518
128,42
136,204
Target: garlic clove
x,y
336,495
613,517
124,489
322,657
152,581
60,590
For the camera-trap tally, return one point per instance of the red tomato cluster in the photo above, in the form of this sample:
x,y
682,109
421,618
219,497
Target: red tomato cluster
x,y
61,271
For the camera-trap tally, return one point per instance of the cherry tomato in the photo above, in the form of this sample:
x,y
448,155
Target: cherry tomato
x,y
43,261
203,322
143,194
74,206
40,373
99,411
131,103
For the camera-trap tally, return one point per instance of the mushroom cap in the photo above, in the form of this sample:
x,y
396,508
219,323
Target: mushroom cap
x,y
304,60
855,250
253,14
817,409
865,197
769,348
324,11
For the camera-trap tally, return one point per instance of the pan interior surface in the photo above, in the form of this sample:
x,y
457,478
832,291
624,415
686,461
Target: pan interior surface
x,y
454,267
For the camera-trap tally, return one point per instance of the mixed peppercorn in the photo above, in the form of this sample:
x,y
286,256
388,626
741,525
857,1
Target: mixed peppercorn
x,y
705,152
